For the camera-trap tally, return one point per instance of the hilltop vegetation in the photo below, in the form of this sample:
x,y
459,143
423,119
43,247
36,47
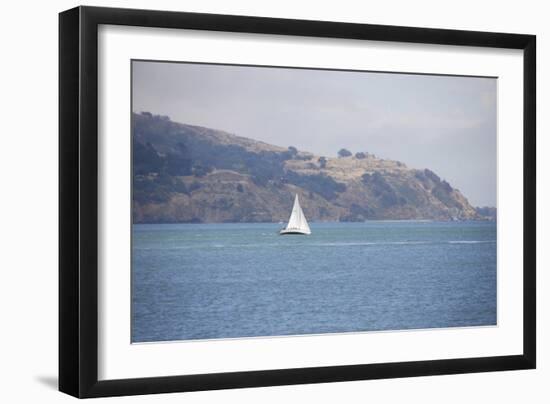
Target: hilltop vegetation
x,y
185,173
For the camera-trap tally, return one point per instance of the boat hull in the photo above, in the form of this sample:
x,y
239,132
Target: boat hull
x,y
296,232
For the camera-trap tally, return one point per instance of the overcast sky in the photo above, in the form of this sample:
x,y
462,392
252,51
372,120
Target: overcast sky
x,y
446,124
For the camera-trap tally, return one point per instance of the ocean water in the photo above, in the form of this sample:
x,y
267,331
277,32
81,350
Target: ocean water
x,y
204,281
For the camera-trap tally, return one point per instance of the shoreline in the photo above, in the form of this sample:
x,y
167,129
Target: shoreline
x,y
328,222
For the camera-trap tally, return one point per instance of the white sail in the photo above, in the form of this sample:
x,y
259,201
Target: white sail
x,y
297,224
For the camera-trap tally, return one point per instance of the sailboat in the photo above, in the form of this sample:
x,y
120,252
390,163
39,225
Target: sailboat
x,y
297,224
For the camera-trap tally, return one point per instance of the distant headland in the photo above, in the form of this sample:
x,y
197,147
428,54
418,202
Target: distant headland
x,y
191,174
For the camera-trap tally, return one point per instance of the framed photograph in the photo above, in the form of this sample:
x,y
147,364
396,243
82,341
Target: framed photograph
x,y
251,201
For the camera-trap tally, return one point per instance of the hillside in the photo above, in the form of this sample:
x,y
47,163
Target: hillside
x,y
185,173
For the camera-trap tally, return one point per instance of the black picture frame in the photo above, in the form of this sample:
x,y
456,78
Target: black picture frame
x,y
78,201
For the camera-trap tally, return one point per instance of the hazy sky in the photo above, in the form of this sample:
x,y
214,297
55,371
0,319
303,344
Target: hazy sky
x,y
446,124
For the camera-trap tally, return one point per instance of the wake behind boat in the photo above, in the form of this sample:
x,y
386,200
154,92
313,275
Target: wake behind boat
x,y
297,224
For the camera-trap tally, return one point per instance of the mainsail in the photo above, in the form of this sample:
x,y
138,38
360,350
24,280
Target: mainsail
x,y
297,224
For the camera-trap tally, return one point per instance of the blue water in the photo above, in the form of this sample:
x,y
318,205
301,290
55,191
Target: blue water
x,y
202,281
